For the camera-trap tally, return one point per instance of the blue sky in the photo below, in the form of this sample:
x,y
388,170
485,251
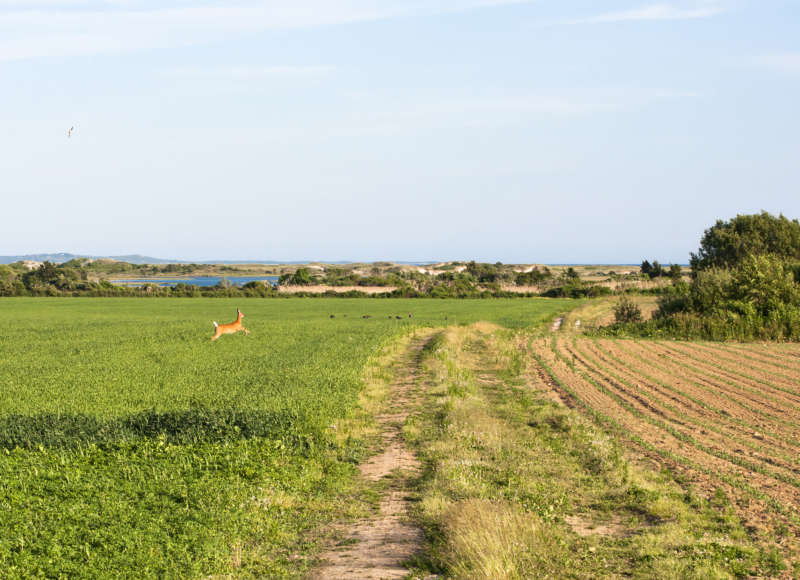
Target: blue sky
x,y
542,131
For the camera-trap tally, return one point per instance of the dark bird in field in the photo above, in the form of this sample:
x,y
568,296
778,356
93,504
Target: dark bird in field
x,y
366,316
69,133
333,316
410,315
399,317
390,316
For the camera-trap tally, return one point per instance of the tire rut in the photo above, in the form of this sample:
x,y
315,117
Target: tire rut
x,y
379,547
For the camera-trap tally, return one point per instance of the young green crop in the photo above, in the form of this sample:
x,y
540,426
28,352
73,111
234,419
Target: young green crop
x,y
133,446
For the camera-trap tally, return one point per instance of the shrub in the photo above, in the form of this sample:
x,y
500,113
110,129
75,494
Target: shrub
x,y
766,282
301,277
626,310
710,289
676,298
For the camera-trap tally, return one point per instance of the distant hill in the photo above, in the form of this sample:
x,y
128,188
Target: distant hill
x,y
61,257
139,259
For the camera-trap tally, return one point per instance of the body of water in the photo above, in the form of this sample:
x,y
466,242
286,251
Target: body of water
x,y
196,281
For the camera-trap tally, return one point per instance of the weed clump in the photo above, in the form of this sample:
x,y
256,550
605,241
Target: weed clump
x,y
496,539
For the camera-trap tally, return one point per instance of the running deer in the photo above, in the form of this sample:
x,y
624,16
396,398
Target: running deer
x,y
231,327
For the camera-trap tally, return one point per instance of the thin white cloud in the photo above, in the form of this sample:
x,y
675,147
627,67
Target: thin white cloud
x,y
377,115
782,62
61,28
33,4
249,73
659,12
503,110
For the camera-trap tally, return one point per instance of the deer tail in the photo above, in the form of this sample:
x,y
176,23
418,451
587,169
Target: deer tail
x,y
215,324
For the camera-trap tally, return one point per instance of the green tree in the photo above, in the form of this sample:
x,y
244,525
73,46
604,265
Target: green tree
x,y
646,268
766,282
7,281
6,274
710,290
727,243
483,273
532,278
301,277
47,274
676,298
657,270
675,272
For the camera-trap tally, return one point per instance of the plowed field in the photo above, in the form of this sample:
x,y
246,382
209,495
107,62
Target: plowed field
x,y
724,417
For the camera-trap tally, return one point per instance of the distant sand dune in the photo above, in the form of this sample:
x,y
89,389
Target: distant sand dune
x,y
321,289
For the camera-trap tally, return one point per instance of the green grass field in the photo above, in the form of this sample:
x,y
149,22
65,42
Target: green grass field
x,y
132,446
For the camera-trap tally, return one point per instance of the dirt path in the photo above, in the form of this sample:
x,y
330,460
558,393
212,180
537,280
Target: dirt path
x,y
377,548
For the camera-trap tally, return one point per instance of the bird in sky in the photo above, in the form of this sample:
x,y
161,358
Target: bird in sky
x,y
69,133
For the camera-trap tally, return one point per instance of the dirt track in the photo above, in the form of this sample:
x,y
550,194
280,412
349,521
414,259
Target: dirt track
x,y
379,547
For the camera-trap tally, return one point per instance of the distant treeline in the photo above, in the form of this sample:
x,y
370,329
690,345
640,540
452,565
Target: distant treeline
x,y
475,280
656,270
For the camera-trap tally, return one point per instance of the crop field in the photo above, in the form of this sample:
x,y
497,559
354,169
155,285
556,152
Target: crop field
x,y
132,446
724,417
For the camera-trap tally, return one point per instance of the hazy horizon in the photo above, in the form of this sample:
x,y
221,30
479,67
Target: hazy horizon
x,y
510,130
344,261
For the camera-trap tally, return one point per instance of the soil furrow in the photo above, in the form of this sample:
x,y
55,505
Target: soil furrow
x,y
762,508
775,492
716,385
784,386
705,388
749,425
712,425
753,388
765,355
736,458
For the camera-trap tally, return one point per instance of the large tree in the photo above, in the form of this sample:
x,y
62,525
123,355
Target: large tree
x,y
727,243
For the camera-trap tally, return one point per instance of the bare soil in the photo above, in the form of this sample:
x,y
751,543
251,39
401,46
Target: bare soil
x,y
729,442
728,378
705,431
585,526
380,547
681,405
763,377
706,388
